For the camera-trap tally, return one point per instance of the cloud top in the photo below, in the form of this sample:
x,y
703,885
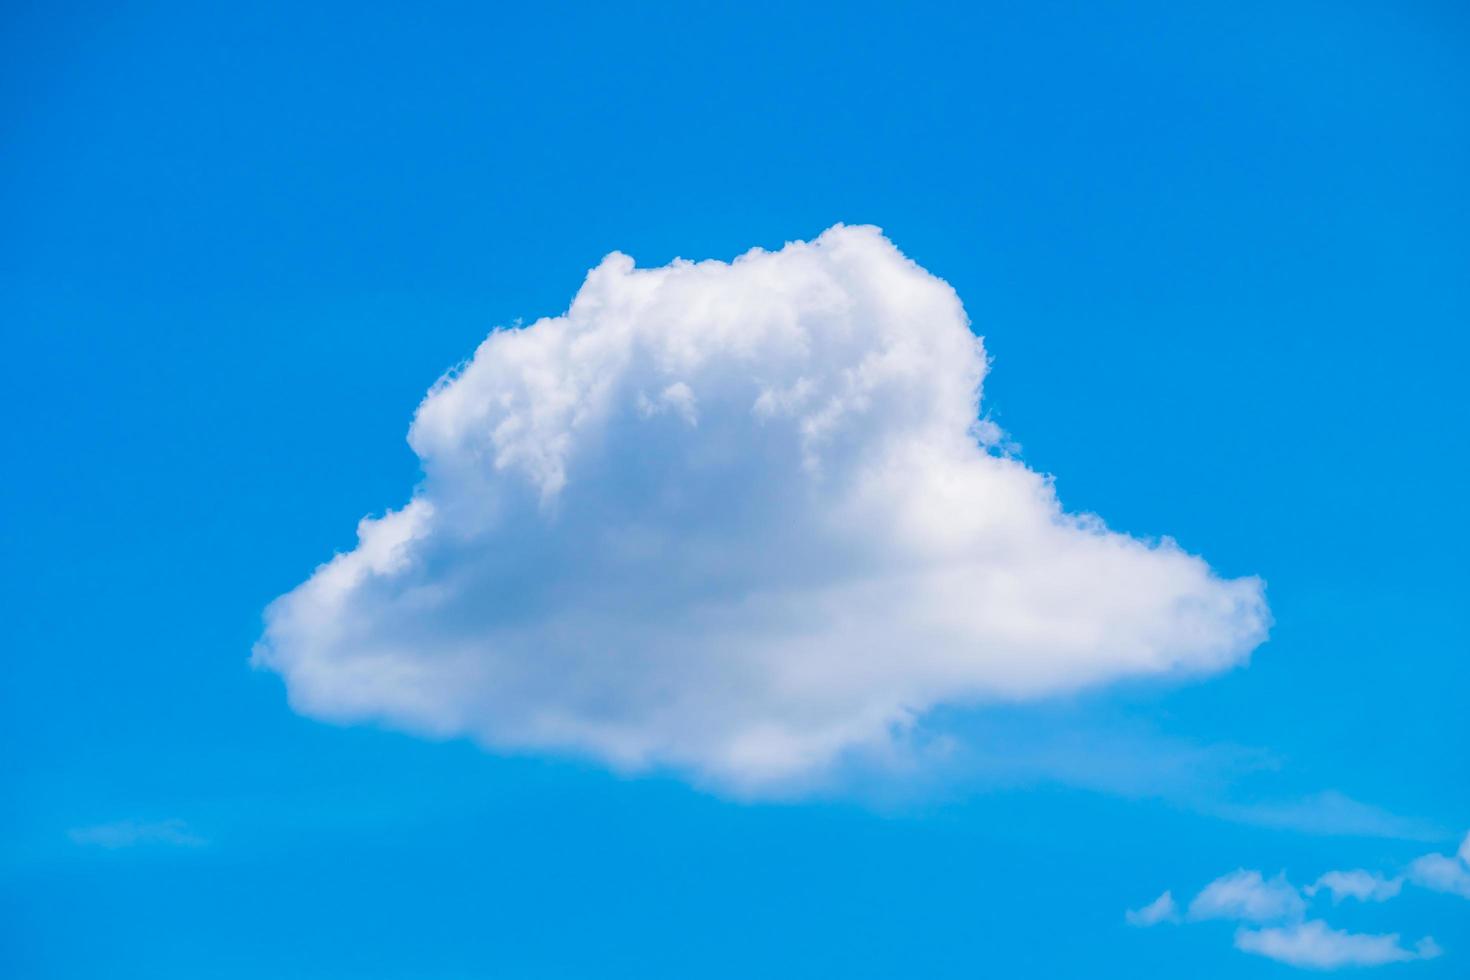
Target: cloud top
x,y
742,520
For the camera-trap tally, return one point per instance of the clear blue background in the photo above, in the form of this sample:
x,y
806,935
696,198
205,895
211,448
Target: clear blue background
x,y
1221,257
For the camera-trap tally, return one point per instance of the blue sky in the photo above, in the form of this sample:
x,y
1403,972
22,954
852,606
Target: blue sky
x,y
1217,255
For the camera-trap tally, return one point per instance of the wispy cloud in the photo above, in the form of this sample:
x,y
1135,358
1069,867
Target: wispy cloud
x,y
1334,814
135,833
1161,909
1093,743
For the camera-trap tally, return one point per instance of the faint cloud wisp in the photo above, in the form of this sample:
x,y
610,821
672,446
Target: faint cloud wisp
x,y
136,833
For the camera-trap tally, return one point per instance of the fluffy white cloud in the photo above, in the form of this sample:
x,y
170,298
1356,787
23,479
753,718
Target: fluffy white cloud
x,y
1247,895
739,519
1316,945
1365,886
1444,872
1161,909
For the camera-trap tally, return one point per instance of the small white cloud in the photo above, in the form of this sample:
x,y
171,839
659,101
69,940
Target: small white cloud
x,y
740,520
1161,909
134,833
1315,945
1444,872
1278,909
1365,886
1248,896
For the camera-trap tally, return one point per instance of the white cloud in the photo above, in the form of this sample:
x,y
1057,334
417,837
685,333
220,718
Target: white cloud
x,y
1365,886
1292,938
1315,945
1161,909
738,519
133,833
1249,896
1444,872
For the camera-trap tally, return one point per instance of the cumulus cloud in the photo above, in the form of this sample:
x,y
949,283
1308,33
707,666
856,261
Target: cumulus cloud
x,y
1444,872
1161,909
134,833
1248,895
743,520
1365,886
1315,945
